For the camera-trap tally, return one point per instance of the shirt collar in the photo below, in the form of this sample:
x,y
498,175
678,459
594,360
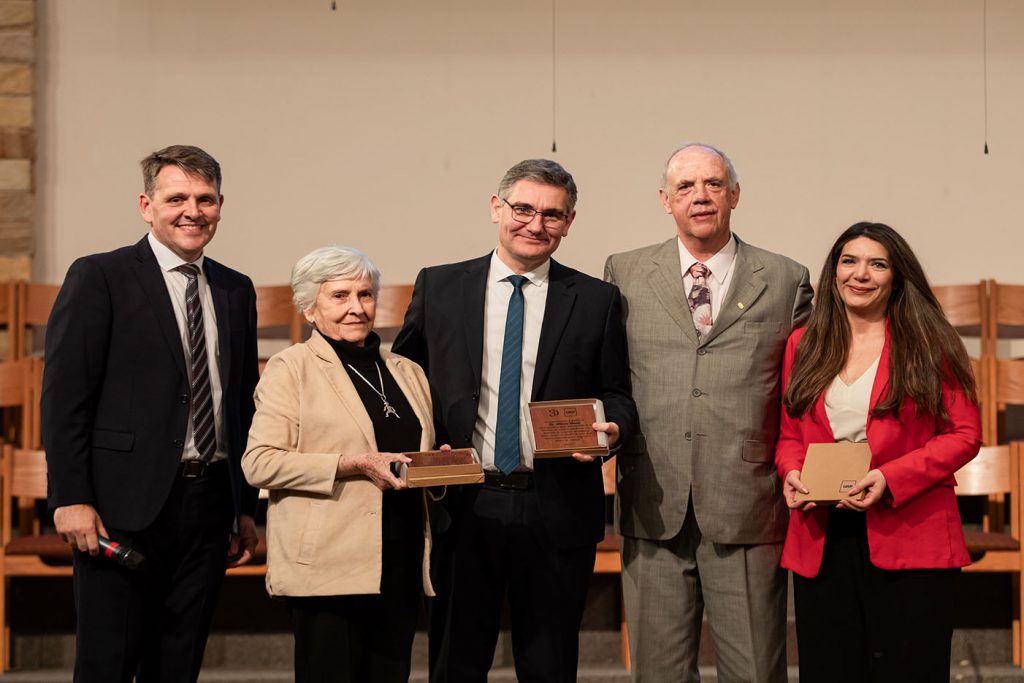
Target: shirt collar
x,y
168,260
720,264
538,276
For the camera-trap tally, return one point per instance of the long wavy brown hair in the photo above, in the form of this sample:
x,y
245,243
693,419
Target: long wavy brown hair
x,y
924,349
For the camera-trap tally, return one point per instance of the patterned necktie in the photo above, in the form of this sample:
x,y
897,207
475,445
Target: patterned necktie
x,y
506,434
203,432
700,299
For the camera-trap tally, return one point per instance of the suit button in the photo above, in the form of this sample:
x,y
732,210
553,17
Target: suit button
x,y
696,393
178,443
184,399
687,436
701,351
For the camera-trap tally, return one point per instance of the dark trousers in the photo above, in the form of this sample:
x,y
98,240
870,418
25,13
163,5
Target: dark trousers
x,y
503,548
362,638
858,623
153,623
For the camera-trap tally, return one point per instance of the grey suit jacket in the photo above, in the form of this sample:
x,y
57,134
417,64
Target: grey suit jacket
x,y
709,411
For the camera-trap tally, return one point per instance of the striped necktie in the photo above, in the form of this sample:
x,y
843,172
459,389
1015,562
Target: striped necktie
x,y
506,433
203,432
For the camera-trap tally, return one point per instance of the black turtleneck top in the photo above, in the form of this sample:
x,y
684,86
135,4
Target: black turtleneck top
x,y
402,510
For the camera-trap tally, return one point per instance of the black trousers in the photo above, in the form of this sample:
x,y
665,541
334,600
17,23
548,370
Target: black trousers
x,y
858,623
153,623
503,548
362,638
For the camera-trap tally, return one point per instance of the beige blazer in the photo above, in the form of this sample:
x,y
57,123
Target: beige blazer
x,y
323,534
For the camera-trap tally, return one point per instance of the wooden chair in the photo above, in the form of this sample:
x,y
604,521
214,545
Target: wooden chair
x,y
33,303
392,302
997,472
275,313
7,289
1005,323
23,475
609,556
18,400
967,309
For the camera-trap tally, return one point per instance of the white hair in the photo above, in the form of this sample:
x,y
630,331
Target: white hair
x,y
332,262
730,170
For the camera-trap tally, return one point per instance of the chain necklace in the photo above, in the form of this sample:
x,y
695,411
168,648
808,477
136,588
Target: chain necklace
x,y
389,410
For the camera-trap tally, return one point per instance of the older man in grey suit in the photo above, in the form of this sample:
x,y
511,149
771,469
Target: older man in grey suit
x,y
699,506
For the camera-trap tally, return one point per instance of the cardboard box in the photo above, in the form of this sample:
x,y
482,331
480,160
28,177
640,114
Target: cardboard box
x,y
831,469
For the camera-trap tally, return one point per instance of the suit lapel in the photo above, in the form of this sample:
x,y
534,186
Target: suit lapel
x,y
666,279
558,306
339,380
152,280
474,289
746,287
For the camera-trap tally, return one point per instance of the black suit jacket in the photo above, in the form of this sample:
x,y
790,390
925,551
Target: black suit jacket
x,y
115,401
581,354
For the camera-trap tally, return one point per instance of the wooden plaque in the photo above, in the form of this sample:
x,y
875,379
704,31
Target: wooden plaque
x,y
440,468
558,429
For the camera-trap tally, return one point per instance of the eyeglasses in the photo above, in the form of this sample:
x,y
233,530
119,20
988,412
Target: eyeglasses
x,y
524,213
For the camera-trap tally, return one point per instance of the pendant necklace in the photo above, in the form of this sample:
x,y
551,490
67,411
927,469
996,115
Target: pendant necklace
x,y
389,410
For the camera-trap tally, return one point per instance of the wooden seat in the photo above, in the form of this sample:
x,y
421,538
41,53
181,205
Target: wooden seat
x,y
996,474
276,318
609,555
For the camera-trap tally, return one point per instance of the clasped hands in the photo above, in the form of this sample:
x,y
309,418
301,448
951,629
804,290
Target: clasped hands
x,y
873,485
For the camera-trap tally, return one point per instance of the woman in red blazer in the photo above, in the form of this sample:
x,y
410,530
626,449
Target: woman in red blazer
x,y
877,362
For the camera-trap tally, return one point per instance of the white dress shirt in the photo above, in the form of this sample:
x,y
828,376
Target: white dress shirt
x,y
176,283
499,291
720,266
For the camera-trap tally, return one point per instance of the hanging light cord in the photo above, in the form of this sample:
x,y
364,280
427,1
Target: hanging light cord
x,y
554,89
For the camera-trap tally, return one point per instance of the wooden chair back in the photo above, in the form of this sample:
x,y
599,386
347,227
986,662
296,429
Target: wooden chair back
x,y
19,399
7,289
392,302
33,303
967,309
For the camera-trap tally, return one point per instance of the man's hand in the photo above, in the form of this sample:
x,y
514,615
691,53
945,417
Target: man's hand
x,y
874,483
609,428
79,526
242,546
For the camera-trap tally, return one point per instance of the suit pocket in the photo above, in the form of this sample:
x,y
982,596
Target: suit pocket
x,y
763,327
757,451
310,540
112,441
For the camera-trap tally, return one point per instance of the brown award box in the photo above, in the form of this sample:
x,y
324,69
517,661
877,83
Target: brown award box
x,y
558,429
832,469
440,468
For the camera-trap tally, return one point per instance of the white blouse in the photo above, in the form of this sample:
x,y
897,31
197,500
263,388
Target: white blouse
x,y
847,406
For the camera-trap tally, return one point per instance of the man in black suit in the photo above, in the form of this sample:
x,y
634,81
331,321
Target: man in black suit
x,y
531,530
147,400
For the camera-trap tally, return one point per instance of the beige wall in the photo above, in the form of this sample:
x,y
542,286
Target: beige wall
x,y
387,123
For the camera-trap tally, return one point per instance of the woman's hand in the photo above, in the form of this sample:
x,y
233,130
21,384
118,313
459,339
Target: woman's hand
x,y
874,484
375,466
791,487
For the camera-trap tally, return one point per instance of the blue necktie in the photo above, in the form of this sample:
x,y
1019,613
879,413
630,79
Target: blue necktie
x,y
506,434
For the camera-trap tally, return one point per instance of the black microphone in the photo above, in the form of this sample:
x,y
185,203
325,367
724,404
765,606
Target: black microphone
x,y
121,554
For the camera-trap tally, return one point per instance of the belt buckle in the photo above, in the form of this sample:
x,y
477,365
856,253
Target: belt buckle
x,y
193,469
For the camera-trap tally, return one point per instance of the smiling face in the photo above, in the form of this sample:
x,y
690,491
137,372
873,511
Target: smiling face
x,y
524,246
183,211
344,310
864,278
697,195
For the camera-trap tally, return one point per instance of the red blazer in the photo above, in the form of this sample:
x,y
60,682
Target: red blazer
x,y
916,525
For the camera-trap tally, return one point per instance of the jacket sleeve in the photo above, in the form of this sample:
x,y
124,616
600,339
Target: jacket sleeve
x,y
249,495
617,394
935,462
790,449
272,459
77,337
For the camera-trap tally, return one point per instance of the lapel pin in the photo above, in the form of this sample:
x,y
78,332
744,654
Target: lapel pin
x,y
740,305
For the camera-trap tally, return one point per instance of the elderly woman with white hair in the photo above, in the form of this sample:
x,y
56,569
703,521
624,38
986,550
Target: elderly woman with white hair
x,y
347,547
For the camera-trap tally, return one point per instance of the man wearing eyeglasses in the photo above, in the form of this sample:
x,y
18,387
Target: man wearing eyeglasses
x,y
494,333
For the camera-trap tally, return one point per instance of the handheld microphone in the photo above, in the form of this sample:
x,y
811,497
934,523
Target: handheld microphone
x,y
121,554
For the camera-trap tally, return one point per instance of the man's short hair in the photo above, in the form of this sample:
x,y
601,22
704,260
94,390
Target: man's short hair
x,y
543,171
733,179
189,159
